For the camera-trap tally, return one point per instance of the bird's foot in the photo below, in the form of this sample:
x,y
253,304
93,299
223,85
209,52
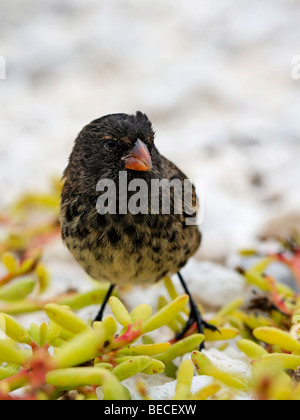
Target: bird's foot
x,y
196,318
210,327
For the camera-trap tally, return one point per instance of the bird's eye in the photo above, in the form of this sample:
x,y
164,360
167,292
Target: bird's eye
x,y
110,144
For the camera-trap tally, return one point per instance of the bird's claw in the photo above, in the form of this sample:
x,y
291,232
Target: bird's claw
x,y
201,325
210,327
195,317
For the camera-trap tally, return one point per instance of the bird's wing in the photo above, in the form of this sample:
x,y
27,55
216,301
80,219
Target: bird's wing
x,y
190,204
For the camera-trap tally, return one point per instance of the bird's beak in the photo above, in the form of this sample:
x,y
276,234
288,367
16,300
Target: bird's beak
x,y
138,158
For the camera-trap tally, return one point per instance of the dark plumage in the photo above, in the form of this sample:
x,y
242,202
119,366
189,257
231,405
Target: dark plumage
x,y
122,248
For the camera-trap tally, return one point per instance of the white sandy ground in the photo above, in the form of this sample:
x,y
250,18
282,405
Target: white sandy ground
x,y
216,80
214,77
233,363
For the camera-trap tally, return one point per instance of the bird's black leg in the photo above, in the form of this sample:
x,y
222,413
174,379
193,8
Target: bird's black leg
x,y
195,316
107,296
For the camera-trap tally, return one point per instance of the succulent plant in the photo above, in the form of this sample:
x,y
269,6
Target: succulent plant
x,y
69,357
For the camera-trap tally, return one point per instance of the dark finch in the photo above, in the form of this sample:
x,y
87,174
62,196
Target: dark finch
x,y
124,248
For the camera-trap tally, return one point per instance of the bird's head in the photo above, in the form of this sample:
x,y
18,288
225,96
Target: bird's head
x,y
114,143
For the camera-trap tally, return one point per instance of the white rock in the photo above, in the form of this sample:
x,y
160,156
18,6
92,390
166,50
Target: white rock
x,y
212,284
231,361
166,390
